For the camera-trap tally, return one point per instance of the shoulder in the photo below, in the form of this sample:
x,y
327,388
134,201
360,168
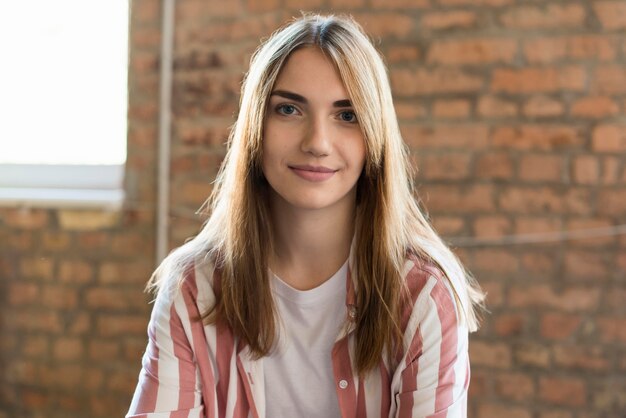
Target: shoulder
x,y
191,283
429,292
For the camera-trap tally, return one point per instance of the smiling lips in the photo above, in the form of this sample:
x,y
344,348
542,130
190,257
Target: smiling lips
x,y
313,173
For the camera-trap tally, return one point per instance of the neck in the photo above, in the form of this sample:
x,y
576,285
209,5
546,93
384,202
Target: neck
x,y
310,245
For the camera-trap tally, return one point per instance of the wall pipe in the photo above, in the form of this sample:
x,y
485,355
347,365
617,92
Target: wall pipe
x,y
165,99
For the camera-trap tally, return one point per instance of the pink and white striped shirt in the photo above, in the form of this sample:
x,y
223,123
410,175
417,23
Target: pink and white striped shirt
x,y
196,370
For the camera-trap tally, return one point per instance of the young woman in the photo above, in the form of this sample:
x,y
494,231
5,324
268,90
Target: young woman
x,y
316,288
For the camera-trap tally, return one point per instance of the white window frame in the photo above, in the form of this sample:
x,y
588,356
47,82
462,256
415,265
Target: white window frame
x,y
59,185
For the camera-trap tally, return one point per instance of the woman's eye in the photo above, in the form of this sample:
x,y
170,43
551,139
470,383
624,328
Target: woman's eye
x,y
286,109
348,116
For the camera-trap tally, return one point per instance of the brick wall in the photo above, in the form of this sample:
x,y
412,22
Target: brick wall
x,y
515,112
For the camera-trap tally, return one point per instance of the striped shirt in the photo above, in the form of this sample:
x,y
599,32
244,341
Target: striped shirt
x,y
196,370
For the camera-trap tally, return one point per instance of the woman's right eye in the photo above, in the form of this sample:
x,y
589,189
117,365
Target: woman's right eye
x,y
286,109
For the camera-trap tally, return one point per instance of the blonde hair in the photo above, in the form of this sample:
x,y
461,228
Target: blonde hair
x,y
237,235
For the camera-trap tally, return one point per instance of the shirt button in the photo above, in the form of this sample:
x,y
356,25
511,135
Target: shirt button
x,y
343,384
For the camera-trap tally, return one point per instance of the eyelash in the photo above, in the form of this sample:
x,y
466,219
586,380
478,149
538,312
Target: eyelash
x,y
280,110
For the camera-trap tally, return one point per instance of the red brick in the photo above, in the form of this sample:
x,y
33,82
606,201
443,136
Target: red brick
x,y
36,399
584,47
585,223
539,264
611,171
612,329
59,297
494,292
612,14
612,202
75,272
93,241
24,372
594,107
35,346
579,357
23,293
462,137
145,12
79,324
494,165
492,3
118,325
579,201
530,200
56,241
26,218
495,107
542,106
456,19
400,4
472,51
192,193
586,169
407,82
568,391
202,10
458,199
409,109
491,410
537,137
100,349
142,136
609,138
386,25
122,382
37,268
490,354
403,53
509,325
557,326
68,348
515,386
586,265
479,383
346,3
49,322
445,167
532,355
609,80
453,109
118,299
555,414
145,38
448,225
124,272
491,226
539,80
537,225
262,5
549,16
541,167
494,261
569,299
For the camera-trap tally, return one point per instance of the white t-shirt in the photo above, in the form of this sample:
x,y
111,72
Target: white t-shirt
x,y
299,378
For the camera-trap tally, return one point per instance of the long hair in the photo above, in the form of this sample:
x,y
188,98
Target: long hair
x,y
389,225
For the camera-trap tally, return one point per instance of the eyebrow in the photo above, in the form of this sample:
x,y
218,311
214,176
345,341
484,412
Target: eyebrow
x,y
301,99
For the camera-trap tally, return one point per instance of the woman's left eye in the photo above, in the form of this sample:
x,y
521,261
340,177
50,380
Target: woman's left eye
x,y
348,116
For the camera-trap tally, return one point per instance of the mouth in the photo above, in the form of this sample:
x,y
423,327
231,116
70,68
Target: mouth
x,y
313,173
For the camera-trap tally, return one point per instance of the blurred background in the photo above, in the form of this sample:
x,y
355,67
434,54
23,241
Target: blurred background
x,y
515,113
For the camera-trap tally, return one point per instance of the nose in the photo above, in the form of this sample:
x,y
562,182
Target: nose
x,y
317,140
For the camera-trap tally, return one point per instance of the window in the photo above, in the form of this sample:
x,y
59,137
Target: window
x,y
64,101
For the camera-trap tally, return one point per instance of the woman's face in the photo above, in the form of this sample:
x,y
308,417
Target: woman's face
x,y
313,148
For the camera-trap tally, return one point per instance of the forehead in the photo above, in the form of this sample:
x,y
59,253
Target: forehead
x,y
311,74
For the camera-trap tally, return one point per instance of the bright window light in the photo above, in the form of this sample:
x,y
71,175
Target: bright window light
x,y
63,81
